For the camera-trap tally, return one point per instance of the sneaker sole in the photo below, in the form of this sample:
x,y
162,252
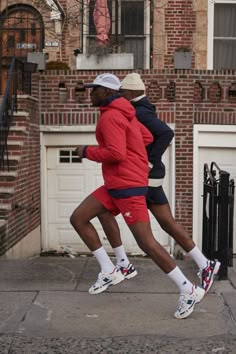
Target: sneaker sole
x,y
131,275
100,290
215,272
188,313
118,280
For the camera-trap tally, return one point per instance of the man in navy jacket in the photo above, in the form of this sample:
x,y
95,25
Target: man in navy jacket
x,y
133,89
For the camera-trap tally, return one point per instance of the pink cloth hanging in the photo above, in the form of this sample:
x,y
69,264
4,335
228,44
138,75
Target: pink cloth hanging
x,y
102,22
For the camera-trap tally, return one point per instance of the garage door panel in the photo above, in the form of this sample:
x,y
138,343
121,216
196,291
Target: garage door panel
x,y
68,184
65,184
64,236
60,211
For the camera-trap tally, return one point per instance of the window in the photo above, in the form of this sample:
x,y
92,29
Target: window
x,y
69,156
129,30
222,35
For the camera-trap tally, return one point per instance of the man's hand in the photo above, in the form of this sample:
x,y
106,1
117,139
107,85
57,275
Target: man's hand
x,y
79,150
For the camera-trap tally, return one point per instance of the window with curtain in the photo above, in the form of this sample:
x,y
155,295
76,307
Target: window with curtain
x,y
127,30
224,52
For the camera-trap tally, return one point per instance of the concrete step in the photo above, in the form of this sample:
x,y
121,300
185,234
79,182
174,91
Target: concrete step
x,y
11,142
8,177
2,223
17,130
6,190
13,160
14,146
5,208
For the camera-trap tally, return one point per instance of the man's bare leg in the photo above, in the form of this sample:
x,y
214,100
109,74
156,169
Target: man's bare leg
x,y
163,215
190,294
80,220
112,231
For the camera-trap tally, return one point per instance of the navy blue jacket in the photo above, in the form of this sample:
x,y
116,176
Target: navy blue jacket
x,y
162,134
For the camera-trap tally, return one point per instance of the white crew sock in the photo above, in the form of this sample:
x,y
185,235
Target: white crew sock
x,y
184,285
121,257
104,260
198,257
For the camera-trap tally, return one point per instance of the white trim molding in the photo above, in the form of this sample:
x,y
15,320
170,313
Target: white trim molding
x,y
207,135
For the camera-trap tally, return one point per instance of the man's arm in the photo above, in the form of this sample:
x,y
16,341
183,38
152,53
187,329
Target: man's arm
x,y
146,134
113,133
161,132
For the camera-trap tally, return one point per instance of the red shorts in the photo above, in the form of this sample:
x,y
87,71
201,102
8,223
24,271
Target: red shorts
x,y
133,209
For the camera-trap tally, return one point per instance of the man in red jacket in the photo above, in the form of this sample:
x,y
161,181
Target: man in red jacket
x,y
121,150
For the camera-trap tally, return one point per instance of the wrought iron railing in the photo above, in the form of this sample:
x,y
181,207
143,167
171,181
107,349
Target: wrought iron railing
x,y
218,211
8,106
18,81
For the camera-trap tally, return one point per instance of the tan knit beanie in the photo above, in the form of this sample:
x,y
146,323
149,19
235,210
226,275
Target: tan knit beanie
x,y
133,82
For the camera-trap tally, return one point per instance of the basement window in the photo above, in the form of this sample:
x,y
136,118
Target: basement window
x,y
69,156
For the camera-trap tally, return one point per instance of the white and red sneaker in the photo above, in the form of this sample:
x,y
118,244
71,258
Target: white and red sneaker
x,y
129,272
187,302
208,274
105,280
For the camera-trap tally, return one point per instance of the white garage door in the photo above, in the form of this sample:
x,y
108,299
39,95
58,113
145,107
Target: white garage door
x,y
68,182
215,145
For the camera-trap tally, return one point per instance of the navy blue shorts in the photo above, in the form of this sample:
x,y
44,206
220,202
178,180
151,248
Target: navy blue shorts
x,y
156,195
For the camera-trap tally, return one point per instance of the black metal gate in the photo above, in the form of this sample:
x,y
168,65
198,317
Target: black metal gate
x,y
218,211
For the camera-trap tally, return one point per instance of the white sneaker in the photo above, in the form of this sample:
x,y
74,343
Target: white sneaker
x,y
129,272
187,302
208,274
105,280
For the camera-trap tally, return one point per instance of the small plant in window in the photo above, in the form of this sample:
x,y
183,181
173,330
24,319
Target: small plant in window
x,y
100,50
183,48
57,65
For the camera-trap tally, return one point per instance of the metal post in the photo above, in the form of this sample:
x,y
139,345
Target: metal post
x,y
210,200
205,216
231,221
223,224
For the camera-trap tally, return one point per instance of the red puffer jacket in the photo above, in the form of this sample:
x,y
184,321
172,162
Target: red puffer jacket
x,y
121,149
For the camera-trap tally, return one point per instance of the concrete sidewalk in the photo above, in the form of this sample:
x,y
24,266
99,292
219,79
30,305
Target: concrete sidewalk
x,y
45,308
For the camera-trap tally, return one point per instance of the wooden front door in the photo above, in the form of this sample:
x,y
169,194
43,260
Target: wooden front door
x,y
22,31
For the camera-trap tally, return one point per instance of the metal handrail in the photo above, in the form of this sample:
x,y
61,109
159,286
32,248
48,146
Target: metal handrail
x,y
9,105
19,78
216,166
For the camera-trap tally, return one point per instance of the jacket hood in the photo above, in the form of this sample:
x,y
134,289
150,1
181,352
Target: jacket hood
x,y
144,104
122,105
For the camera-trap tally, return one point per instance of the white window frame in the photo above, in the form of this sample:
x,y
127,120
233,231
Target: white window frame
x,y
146,48
211,10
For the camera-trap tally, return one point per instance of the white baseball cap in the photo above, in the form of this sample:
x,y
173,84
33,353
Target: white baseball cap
x,y
133,82
106,80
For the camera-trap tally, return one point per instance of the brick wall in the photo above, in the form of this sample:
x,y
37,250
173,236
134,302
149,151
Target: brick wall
x,y
180,24
24,214
182,97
